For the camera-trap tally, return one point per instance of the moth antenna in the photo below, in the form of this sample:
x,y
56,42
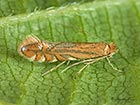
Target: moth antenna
x,y
32,39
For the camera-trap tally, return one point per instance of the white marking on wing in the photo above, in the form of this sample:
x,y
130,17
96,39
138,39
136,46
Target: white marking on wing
x,y
42,59
71,58
54,59
32,58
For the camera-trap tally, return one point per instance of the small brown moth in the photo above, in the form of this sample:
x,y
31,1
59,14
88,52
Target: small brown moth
x,y
34,49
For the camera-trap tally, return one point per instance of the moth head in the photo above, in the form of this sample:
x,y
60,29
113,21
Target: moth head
x,y
30,47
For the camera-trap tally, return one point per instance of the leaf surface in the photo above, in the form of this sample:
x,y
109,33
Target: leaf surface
x,y
116,21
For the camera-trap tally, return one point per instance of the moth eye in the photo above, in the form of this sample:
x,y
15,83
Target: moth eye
x,y
23,49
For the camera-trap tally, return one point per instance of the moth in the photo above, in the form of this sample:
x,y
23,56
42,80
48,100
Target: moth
x,y
33,49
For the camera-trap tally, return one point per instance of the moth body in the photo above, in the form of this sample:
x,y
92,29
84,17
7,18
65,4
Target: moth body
x,y
34,49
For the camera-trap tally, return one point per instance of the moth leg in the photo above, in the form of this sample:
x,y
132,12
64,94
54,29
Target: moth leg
x,y
68,62
82,69
72,65
54,68
88,63
77,63
113,65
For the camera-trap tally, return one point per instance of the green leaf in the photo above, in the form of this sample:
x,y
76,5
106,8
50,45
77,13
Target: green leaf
x,y
116,21
13,7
